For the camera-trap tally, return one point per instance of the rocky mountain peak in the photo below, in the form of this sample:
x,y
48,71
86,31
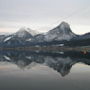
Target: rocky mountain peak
x,y
61,32
64,25
64,28
23,30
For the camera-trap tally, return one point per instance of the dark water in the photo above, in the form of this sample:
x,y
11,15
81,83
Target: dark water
x,y
44,71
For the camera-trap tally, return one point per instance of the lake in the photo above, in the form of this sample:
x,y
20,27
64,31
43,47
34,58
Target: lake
x,y
24,70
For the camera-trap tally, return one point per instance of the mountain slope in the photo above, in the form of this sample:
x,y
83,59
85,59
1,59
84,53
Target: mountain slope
x,y
19,38
61,32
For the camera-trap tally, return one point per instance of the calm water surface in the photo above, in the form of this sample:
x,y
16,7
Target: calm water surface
x,y
44,71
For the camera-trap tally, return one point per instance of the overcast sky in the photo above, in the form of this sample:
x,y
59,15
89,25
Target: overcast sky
x,y
43,15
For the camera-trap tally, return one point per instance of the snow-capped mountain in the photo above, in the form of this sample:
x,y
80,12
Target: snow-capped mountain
x,y
61,32
20,37
24,31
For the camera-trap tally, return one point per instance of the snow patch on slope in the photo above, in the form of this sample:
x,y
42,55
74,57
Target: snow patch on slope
x,y
6,39
7,58
29,39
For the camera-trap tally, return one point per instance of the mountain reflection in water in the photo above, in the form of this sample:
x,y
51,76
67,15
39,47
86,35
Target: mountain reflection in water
x,y
60,62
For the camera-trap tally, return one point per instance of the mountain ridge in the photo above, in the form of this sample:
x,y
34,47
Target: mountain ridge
x,y
61,33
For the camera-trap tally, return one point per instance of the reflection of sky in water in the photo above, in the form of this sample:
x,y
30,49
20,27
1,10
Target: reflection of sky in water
x,y
41,77
78,68
40,70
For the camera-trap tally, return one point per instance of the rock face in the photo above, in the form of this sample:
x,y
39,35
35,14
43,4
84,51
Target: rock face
x,y
61,32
